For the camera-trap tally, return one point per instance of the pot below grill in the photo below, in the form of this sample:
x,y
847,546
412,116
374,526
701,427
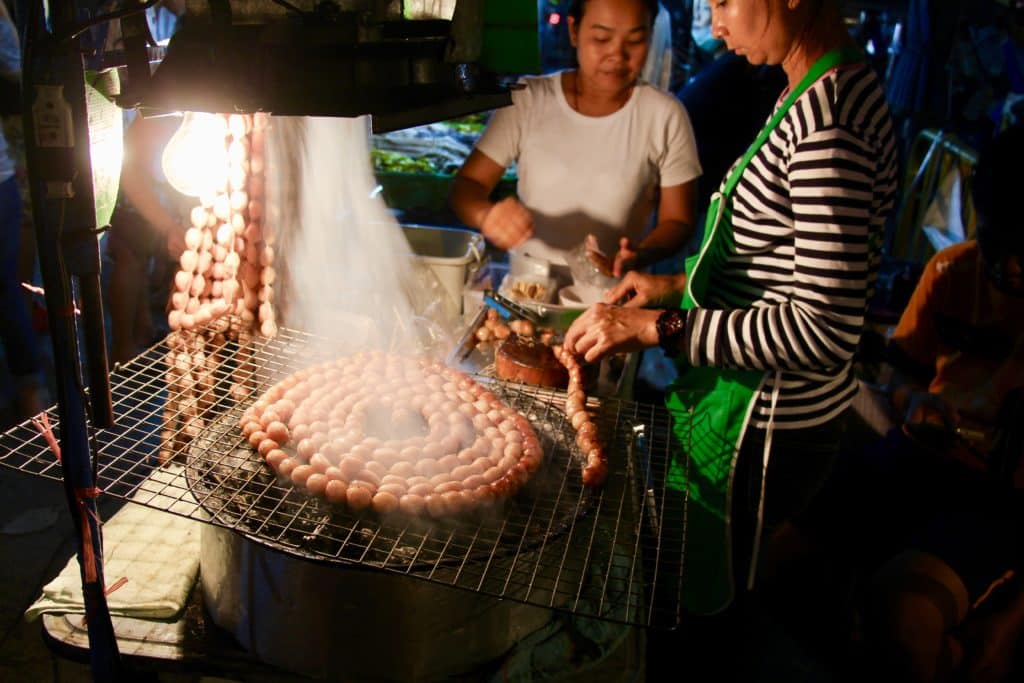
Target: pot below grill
x,y
347,623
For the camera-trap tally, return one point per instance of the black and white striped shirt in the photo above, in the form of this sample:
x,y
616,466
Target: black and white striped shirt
x,y
808,217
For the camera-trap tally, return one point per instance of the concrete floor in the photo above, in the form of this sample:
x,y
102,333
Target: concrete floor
x,y
31,559
36,541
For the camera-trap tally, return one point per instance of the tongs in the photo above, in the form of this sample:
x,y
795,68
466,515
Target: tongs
x,y
507,308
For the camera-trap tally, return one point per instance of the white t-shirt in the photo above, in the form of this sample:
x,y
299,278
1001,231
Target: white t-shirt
x,y
590,174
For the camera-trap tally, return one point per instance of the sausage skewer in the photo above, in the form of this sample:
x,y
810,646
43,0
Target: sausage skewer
x,y
595,469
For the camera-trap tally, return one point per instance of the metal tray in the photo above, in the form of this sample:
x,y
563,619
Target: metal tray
x,y
614,554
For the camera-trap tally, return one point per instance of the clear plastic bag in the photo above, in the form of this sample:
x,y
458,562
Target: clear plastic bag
x,y
590,280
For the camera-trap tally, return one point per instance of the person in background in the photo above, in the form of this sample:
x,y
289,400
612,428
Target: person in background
x,y
20,343
147,235
597,152
147,229
728,102
948,483
774,304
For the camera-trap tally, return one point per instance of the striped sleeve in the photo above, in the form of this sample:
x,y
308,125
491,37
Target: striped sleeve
x,y
818,324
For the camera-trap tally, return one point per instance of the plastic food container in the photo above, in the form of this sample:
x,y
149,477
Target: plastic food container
x,y
529,289
451,253
528,280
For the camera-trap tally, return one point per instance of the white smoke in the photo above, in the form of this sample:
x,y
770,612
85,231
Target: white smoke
x,y
346,265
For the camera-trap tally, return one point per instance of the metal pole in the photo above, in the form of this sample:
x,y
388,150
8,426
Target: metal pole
x,y
60,177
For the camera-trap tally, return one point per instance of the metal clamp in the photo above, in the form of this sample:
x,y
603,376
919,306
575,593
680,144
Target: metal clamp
x,y
507,308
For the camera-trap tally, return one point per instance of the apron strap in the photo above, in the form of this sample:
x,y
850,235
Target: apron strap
x,y
765,456
712,252
825,63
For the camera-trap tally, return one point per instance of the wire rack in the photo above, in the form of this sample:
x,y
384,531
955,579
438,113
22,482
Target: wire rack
x,y
614,554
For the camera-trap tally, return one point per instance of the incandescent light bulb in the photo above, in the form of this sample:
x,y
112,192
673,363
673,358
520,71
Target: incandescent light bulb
x,y
195,160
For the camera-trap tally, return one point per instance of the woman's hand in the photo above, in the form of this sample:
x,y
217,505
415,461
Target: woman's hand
x,y
174,240
927,408
604,330
625,258
641,289
507,224
930,420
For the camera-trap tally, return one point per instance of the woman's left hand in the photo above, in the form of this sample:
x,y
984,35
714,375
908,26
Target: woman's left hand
x,y
642,289
604,330
626,258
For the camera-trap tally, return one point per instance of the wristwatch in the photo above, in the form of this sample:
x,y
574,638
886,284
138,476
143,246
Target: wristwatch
x,y
671,325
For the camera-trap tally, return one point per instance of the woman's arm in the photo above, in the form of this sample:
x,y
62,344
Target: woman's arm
x,y
672,232
470,195
143,140
10,51
506,223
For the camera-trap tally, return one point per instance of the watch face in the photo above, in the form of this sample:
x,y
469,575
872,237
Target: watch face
x,y
671,324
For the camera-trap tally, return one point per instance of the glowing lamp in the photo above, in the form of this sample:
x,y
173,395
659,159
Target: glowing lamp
x,y
195,160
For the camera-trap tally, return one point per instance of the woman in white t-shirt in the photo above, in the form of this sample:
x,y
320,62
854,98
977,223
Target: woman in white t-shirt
x,y
597,152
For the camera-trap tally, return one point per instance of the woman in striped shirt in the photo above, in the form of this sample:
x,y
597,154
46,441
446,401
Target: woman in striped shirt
x,y
774,303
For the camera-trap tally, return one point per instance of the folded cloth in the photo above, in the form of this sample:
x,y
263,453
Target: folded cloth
x,y
152,554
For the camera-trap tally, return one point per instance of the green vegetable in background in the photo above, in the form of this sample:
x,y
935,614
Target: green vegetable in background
x,y
396,162
471,123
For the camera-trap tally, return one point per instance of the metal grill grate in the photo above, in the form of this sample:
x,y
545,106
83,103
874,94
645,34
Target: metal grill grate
x,y
615,554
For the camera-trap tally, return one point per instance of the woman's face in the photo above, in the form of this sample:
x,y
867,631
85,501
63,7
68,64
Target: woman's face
x,y
755,29
611,41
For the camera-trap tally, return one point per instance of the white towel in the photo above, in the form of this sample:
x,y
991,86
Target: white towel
x,y
152,553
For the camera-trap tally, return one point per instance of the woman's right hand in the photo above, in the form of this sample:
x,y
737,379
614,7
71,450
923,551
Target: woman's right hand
x,y
644,289
928,408
507,224
602,330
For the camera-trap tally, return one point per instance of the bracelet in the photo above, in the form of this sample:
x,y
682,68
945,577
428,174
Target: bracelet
x,y
671,325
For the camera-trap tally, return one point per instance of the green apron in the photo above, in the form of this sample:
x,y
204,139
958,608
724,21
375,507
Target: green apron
x,y
711,407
